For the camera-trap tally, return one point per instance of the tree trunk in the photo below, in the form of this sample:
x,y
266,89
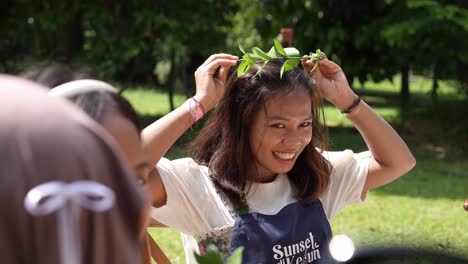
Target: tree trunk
x,y
185,82
404,96
435,84
350,78
170,81
72,38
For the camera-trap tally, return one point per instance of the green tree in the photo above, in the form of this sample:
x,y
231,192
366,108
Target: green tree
x,y
373,39
428,35
344,30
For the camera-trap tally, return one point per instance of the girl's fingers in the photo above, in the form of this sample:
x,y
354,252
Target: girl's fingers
x,y
212,66
323,55
219,56
223,71
305,64
308,65
328,67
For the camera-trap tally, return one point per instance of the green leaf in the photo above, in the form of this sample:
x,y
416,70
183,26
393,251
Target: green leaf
x,y
248,68
279,48
292,52
282,70
236,257
261,68
241,69
255,56
241,48
317,56
289,65
248,58
260,53
272,53
212,256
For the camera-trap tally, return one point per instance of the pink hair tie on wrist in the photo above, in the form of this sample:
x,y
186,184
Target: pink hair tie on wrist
x,y
195,109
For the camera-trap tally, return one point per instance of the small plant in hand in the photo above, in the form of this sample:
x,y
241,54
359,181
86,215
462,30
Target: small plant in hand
x,y
291,56
212,256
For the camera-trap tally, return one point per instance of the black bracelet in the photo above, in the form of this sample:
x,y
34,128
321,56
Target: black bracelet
x,y
348,110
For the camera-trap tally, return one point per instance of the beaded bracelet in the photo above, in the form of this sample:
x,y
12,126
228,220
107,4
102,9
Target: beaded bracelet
x,y
195,109
348,110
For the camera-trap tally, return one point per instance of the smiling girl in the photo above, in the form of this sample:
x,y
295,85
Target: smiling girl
x,y
261,176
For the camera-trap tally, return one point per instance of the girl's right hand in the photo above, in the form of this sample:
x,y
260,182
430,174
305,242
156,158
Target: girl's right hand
x,y
211,89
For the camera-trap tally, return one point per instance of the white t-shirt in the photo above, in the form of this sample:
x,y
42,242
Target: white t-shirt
x,y
196,209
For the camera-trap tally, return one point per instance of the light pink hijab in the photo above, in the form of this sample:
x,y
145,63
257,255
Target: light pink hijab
x,y
44,139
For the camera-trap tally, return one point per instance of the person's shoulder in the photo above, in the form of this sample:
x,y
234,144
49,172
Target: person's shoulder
x,y
344,156
182,168
336,156
188,162
185,162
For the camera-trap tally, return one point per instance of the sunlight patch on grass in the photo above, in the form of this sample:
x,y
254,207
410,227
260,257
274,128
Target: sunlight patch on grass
x,y
423,209
169,240
151,101
334,118
418,85
385,220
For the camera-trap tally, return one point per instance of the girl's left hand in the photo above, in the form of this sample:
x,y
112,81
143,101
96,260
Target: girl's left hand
x,y
330,80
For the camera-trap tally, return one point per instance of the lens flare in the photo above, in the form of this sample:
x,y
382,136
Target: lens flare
x,y
341,248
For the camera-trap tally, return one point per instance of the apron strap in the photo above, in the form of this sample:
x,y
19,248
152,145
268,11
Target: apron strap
x,y
243,211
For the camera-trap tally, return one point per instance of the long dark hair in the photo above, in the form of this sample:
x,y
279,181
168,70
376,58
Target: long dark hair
x,y
223,144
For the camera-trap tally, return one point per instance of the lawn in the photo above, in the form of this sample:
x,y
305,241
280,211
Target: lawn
x,y
423,209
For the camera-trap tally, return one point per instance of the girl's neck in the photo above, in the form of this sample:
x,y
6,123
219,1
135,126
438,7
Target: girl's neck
x,y
266,178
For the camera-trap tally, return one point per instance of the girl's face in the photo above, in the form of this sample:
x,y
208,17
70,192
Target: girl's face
x,y
127,138
281,133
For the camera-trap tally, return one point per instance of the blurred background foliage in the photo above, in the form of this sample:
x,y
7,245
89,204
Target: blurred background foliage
x,y
163,42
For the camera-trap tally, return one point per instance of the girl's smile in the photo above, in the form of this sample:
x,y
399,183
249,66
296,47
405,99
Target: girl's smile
x,y
285,156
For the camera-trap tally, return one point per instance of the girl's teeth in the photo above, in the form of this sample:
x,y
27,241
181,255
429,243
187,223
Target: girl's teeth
x,y
285,156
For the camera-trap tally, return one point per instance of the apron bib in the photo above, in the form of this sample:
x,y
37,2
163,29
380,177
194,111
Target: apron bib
x,y
299,233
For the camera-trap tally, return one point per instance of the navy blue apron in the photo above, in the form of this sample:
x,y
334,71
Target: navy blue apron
x,y
299,233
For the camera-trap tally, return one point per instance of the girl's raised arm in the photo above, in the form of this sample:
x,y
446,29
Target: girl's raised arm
x,y
158,137
391,157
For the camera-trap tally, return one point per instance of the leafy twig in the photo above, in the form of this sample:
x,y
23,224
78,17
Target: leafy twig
x,y
291,57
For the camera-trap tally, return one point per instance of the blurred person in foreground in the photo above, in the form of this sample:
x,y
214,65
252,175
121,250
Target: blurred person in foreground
x,y
114,113
46,139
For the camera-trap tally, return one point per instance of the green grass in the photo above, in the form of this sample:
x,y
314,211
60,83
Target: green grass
x,y
169,240
423,209
150,101
418,85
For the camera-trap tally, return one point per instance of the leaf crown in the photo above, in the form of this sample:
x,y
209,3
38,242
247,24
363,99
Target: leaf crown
x,y
291,57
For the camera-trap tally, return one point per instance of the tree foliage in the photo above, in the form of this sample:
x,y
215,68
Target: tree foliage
x,y
125,40
376,39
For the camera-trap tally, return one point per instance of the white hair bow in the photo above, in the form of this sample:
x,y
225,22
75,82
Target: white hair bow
x,y
67,198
